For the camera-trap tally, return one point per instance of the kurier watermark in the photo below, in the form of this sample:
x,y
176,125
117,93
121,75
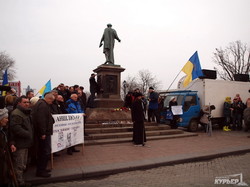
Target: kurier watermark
x,y
236,179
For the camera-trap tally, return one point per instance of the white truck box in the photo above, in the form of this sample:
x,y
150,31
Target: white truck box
x,y
214,92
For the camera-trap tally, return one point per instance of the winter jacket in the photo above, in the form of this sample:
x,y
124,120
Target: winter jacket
x,y
153,103
73,107
21,129
137,111
42,118
226,110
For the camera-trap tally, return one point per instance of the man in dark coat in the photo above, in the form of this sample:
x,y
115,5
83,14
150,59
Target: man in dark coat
x,y
83,98
43,124
93,89
137,112
238,108
21,131
55,107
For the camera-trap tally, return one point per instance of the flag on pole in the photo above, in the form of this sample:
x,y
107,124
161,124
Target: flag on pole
x,y
46,88
5,81
192,69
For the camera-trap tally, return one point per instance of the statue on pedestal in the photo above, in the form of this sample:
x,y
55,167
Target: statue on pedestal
x,y
108,38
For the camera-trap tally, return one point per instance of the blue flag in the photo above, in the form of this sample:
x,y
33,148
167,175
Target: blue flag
x,y
5,78
46,88
192,68
5,81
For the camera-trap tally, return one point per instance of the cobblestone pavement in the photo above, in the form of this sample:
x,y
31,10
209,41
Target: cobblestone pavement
x,y
189,174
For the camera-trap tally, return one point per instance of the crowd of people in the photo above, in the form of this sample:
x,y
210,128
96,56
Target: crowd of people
x,y
26,126
234,112
26,123
142,106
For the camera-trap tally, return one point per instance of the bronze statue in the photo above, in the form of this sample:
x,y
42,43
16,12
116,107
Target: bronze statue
x,y
108,38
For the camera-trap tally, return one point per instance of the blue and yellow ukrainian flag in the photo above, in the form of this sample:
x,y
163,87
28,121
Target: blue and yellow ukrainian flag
x,y
192,69
46,88
5,81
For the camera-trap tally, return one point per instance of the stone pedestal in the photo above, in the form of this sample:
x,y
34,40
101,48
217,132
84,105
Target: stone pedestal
x,y
109,82
101,115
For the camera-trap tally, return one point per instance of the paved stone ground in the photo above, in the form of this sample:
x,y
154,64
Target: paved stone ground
x,y
180,175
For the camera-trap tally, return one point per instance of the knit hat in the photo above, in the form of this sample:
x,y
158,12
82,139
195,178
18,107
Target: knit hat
x,y
228,100
172,98
151,88
3,113
33,100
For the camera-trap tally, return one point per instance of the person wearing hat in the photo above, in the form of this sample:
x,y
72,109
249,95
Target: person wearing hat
x,y
5,178
137,114
108,38
153,105
237,108
227,110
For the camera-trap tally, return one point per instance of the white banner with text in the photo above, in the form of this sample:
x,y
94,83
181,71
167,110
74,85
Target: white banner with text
x,y
67,131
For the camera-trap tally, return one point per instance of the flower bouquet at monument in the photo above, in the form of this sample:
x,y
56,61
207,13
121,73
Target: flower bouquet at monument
x,y
120,109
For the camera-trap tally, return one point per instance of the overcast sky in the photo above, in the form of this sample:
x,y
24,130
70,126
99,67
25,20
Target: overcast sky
x,y
59,39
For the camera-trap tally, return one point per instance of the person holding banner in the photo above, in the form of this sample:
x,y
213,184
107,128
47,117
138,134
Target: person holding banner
x,y
173,102
73,106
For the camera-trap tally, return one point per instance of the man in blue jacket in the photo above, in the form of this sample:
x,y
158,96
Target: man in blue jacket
x,y
153,105
73,106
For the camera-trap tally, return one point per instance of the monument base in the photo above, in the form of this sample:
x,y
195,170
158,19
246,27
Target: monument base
x,y
108,103
109,83
102,115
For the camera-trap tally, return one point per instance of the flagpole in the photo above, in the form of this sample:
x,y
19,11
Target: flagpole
x,y
36,94
46,85
174,80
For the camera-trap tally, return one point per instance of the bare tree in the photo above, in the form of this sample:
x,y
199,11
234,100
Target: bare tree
x,y
235,59
143,81
6,62
146,79
129,85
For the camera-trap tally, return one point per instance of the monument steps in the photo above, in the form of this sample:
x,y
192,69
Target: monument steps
x,y
129,139
129,134
108,133
115,124
123,129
